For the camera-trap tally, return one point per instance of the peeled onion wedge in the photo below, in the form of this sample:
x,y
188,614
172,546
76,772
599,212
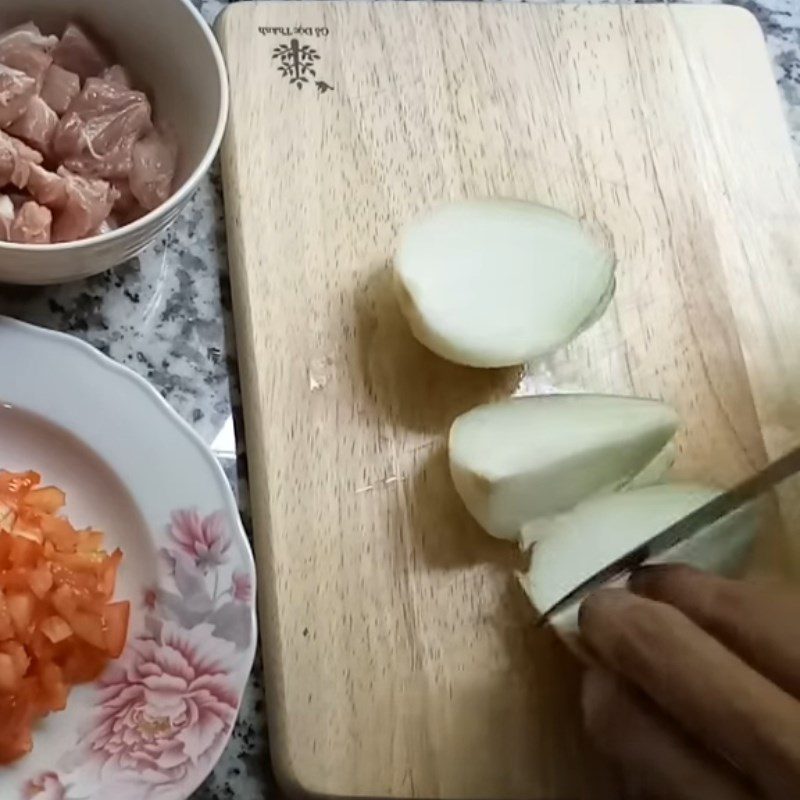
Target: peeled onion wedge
x,y
493,283
582,541
660,465
533,456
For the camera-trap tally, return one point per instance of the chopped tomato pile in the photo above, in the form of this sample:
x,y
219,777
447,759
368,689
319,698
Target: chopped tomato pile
x,y
58,624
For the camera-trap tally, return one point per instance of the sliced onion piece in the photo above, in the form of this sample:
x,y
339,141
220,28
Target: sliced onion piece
x,y
535,456
656,470
493,283
595,533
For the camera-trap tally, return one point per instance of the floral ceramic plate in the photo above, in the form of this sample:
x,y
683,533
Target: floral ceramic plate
x,y
156,722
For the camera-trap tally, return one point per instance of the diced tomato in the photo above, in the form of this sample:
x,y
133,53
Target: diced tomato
x,y
55,628
41,647
18,483
64,576
16,717
67,600
54,689
24,552
9,677
83,663
60,533
108,576
14,578
24,532
89,541
18,656
81,562
57,624
6,540
6,628
40,580
20,608
116,619
89,627
28,526
47,499
8,517
64,600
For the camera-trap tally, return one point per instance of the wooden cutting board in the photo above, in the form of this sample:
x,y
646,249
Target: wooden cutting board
x,y
400,655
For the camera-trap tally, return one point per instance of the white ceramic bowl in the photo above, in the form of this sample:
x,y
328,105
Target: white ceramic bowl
x,y
174,57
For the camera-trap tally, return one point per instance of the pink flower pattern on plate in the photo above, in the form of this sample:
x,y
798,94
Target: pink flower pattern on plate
x,y
205,539
242,588
46,786
166,708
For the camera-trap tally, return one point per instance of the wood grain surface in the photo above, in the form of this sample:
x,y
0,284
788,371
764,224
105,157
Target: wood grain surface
x,y
400,655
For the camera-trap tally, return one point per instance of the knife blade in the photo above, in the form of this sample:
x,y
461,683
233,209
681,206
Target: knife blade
x,y
684,528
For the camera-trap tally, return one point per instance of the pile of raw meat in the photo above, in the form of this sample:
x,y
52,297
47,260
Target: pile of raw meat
x,y
79,153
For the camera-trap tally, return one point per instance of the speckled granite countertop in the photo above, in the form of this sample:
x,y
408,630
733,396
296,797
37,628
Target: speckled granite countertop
x,y
167,315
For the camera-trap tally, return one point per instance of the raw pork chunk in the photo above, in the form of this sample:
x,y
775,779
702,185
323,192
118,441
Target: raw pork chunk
x,y
77,53
32,224
96,136
59,88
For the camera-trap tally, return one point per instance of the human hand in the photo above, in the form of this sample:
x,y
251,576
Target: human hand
x,y
695,692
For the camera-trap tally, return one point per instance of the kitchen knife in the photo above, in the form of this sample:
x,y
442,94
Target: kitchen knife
x,y
684,528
